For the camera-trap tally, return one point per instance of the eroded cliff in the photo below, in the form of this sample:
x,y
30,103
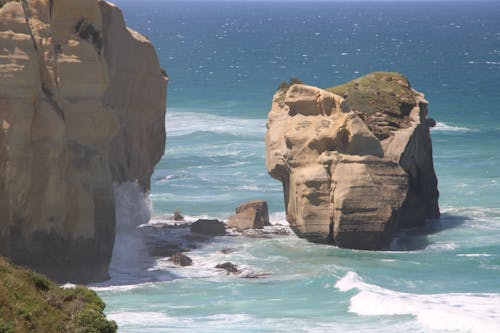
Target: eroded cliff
x,y
355,160
82,104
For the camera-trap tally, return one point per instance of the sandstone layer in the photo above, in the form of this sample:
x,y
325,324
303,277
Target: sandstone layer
x,y
250,215
355,160
82,105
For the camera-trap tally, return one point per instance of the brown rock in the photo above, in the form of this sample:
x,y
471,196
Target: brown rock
x,y
353,169
209,227
82,103
181,259
250,215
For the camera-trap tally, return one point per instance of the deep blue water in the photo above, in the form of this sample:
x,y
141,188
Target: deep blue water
x,y
225,60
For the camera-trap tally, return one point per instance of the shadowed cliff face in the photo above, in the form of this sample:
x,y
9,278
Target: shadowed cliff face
x,y
355,160
82,104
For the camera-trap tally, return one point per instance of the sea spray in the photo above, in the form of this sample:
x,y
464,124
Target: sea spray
x,y
132,208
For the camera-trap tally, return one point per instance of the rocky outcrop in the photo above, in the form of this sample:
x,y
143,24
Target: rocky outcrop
x,y
355,160
209,227
181,259
82,104
250,215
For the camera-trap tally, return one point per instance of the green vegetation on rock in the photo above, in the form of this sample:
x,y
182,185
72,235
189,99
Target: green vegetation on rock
x,y
30,302
379,91
284,86
382,99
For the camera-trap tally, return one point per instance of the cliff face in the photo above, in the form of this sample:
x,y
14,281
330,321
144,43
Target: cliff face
x,y
82,104
355,161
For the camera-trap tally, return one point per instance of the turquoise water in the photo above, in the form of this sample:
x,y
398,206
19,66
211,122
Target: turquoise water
x,y
225,61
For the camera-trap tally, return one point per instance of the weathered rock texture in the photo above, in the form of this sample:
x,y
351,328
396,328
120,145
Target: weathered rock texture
x,y
82,104
355,160
250,215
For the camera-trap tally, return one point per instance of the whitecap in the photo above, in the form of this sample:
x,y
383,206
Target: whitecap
x,y
454,311
184,123
474,255
442,127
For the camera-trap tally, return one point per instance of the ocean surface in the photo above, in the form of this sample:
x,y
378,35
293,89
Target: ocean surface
x,y
225,61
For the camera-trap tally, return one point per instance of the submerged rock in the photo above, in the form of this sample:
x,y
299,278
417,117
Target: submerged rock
x,y
355,160
181,259
250,215
82,105
209,227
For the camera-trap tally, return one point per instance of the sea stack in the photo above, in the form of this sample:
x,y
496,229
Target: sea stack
x,y
82,105
355,160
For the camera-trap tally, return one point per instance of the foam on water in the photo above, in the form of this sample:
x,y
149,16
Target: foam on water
x,y
442,127
462,312
183,123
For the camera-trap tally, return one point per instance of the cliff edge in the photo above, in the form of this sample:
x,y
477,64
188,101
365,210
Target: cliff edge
x,y
82,105
355,160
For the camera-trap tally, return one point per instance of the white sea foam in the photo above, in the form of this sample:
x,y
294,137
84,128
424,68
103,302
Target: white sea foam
x,y
473,255
461,312
183,123
141,318
130,261
442,127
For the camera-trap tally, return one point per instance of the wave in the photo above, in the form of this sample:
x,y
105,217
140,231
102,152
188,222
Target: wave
x,y
455,311
184,123
442,127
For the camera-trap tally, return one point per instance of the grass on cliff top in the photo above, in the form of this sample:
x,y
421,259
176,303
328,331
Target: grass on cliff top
x,y
378,91
30,302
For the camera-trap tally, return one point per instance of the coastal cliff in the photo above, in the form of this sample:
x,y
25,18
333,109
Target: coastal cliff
x,y
355,160
82,105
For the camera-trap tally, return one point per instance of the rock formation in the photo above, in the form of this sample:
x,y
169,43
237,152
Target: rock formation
x,y
209,227
82,105
355,160
250,215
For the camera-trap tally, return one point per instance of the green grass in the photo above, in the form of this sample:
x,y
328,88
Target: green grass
x,y
379,91
30,302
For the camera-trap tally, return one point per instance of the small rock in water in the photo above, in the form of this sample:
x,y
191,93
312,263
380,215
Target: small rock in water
x,y
178,216
250,215
209,227
227,250
181,259
229,268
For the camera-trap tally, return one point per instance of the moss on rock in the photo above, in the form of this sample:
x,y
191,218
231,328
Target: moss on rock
x,y
29,302
382,99
378,91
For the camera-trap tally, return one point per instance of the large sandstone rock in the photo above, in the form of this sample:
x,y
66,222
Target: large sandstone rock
x,y
355,160
250,215
82,103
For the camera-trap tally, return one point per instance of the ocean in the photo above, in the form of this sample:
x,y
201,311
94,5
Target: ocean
x,y
225,61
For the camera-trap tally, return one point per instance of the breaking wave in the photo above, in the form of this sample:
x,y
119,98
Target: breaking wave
x,y
442,127
184,123
463,312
